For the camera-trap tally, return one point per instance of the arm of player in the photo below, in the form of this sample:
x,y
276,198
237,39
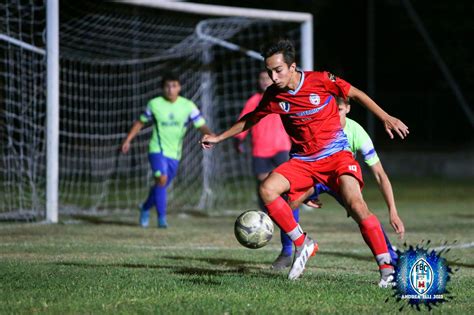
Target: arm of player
x,y
136,127
386,188
391,123
244,123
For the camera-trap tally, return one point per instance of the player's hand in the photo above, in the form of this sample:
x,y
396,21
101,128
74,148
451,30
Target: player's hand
x,y
238,146
397,225
208,141
125,147
315,203
395,124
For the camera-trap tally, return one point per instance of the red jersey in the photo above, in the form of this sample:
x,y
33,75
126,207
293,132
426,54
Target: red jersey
x,y
268,135
309,114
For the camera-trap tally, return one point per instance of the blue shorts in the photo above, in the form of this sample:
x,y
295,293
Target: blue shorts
x,y
162,165
266,165
320,189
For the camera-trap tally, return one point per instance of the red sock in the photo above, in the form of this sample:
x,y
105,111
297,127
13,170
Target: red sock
x,y
281,213
373,235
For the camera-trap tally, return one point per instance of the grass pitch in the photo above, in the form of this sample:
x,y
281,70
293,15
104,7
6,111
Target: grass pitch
x,y
110,265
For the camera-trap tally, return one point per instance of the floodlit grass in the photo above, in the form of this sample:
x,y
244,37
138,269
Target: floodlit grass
x,y
110,265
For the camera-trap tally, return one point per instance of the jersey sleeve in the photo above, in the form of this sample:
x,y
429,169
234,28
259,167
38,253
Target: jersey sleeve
x,y
147,115
364,145
195,116
336,85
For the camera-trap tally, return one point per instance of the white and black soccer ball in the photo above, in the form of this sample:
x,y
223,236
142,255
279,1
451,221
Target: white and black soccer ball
x,y
253,229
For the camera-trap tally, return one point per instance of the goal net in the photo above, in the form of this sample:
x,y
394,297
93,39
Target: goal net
x,y
112,57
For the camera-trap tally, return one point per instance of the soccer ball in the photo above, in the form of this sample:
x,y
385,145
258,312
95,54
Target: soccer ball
x,y
253,229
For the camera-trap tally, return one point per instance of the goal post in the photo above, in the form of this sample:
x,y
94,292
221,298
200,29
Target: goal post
x,y
71,89
52,110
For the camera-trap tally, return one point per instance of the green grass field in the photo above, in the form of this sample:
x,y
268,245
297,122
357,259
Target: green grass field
x,y
110,265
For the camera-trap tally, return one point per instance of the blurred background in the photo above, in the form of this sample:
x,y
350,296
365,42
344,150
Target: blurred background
x,y
413,57
379,41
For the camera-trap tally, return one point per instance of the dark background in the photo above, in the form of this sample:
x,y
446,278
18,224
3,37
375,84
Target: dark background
x,y
408,82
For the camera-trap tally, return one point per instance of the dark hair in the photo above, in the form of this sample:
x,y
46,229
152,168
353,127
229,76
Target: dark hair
x,y
342,100
168,76
281,46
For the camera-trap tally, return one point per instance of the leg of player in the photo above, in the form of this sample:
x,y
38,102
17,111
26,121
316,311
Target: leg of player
x,y
321,188
369,226
279,210
145,208
260,178
157,167
161,199
285,258
170,169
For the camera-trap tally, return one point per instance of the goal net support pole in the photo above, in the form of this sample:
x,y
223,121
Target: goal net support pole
x,y
52,104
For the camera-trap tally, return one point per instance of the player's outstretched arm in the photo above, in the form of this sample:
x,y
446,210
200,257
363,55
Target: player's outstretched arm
x,y
244,123
136,127
386,188
391,123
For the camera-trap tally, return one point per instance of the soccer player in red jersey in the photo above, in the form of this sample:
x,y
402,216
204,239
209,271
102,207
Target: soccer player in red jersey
x,y
270,147
320,151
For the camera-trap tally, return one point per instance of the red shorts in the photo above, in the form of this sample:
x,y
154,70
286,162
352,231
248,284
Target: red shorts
x,y
303,175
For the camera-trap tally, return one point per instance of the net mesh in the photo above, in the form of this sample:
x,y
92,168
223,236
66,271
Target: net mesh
x,y
112,58
22,111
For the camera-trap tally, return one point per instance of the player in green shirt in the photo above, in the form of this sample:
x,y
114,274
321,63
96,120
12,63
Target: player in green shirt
x,y
170,114
360,143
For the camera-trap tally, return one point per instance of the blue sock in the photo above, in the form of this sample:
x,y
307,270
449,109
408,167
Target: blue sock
x,y
391,251
159,194
150,200
286,242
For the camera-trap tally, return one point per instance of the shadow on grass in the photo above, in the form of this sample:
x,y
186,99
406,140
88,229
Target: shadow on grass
x,y
460,264
224,262
100,220
349,255
463,215
184,270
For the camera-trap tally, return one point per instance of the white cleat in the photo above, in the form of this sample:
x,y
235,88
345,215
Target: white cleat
x,y
388,282
302,255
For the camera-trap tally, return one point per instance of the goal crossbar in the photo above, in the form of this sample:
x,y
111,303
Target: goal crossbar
x,y
219,10
306,20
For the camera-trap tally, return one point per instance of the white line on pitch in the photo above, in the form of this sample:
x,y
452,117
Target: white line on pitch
x,y
465,245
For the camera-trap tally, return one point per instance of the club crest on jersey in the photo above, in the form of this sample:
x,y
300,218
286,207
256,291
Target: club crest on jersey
x,y
285,106
314,99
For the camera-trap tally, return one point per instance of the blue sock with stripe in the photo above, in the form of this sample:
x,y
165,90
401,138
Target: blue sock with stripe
x,y
391,250
286,242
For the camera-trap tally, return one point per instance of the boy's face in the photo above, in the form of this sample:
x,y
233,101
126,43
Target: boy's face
x,y
344,108
171,90
264,81
279,72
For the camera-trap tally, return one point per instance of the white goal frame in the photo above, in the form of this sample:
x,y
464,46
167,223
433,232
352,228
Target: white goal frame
x,y
52,54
